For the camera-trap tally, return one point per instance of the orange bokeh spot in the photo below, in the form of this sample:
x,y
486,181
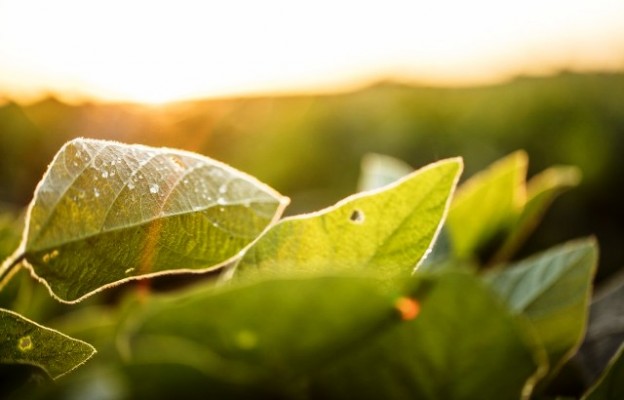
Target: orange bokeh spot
x,y
408,308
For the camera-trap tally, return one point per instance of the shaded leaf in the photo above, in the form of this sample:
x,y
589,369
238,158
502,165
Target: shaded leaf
x,y
388,230
268,331
26,342
487,204
542,190
610,385
463,345
553,290
105,212
379,170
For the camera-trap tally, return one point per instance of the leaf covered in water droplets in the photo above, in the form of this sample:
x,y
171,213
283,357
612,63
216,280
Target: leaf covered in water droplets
x,y
26,342
105,212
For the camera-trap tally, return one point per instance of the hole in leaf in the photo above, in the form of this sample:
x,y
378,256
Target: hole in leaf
x,y
357,216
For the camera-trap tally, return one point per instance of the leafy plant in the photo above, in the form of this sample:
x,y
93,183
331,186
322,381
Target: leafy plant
x,y
339,303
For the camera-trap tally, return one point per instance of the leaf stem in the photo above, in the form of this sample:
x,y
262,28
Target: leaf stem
x,y
9,268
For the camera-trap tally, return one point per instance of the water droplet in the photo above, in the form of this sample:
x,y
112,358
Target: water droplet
x,y
357,216
140,176
104,174
221,200
75,163
96,192
55,253
130,185
129,270
246,339
221,209
185,181
46,258
154,188
25,343
223,188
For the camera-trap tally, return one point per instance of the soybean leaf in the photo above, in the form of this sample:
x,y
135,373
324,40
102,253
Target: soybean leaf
x,y
610,385
553,290
26,342
379,170
106,212
386,231
464,344
261,334
487,204
542,190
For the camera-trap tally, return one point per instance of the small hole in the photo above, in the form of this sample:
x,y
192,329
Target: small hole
x,y
357,217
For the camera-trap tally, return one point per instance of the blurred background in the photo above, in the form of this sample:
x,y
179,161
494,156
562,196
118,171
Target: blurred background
x,y
296,93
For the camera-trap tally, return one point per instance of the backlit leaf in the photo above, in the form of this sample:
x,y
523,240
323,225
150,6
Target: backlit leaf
x,y
542,190
379,170
388,230
487,204
463,345
25,342
610,385
106,212
553,290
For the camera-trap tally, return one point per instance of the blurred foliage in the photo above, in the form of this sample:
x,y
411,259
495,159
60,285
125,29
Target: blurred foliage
x,y
310,147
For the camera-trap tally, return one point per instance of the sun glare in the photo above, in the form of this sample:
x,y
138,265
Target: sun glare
x,y
160,51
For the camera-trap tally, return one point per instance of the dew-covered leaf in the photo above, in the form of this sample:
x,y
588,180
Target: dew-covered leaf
x,y
463,344
379,170
105,212
610,384
553,290
542,190
25,342
269,331
487,204
385,231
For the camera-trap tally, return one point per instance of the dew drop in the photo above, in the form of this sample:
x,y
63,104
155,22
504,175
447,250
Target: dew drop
x,y
75,163
46,258
129,270
222,201
221,209
154,188
130,185
185,181
223,188
96,192
55,253
104,174
24,343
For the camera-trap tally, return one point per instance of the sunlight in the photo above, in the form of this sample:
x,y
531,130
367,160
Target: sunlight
x,y
157,51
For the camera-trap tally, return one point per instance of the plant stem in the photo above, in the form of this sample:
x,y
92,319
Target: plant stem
x,y
9,268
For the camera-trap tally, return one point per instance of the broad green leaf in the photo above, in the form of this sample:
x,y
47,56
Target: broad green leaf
x,y
379,170
106,212
610,385
385,231
464,344
542,190
25,342
553,290
487,204
269,331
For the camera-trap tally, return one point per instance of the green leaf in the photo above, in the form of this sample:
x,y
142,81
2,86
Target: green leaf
x,y
26,342
379,170
610,384
464,344
268,331
385,231
106,212
553,290
487,204
542,190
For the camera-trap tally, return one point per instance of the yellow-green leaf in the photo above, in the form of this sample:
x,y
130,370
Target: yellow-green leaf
x,y
25,342
388,230
106,212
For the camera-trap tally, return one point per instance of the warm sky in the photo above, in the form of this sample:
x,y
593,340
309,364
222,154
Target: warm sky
x,y
155,51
